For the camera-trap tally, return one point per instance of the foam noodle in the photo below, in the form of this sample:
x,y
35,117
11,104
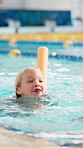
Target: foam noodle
x,y
43,60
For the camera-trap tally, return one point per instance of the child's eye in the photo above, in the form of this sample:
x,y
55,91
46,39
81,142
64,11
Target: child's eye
x,y
30,81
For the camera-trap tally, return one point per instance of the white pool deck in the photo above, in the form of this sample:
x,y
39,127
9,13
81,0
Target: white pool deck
x,y
10,139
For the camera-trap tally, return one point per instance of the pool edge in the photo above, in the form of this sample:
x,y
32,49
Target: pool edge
x,y
9,138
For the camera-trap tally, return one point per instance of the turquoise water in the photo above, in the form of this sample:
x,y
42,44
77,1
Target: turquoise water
x,y
61,118
76,49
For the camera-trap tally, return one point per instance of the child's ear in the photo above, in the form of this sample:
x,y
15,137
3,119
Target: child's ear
x,y
18,90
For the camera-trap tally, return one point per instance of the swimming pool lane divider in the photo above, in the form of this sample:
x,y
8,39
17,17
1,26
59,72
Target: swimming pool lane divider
x,y
56,56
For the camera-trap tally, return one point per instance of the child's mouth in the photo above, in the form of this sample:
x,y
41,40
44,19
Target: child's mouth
x,y
37,90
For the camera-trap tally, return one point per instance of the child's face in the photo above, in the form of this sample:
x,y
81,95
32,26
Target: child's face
x,y
32,83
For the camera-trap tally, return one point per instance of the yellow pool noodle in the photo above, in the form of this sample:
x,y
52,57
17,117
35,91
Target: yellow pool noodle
x,y
43,60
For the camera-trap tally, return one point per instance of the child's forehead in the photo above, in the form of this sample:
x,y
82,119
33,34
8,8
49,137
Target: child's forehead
x,y
32,71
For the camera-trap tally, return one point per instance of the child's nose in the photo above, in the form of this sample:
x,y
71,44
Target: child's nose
x,y
36,83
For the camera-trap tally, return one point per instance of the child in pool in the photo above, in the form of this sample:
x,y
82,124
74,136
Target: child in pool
x,y
30,82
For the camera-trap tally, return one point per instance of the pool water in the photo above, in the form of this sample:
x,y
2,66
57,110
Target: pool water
x,y
61,118
26,46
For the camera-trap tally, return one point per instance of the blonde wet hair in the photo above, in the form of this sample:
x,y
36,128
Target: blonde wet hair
x,y
19,78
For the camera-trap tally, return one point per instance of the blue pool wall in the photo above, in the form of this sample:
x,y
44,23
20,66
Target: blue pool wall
x,y
35,17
